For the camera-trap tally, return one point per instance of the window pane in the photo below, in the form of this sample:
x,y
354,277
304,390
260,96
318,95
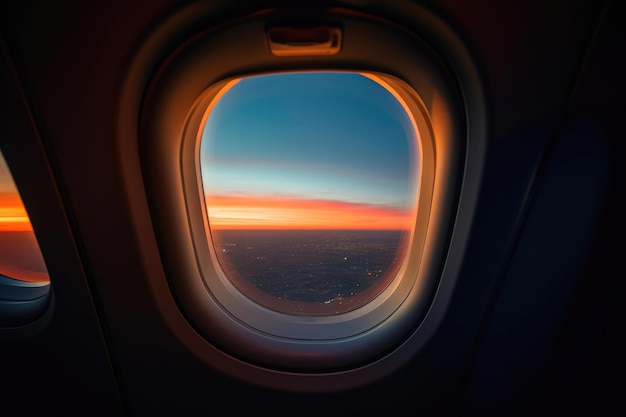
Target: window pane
x,y
310,187
20,257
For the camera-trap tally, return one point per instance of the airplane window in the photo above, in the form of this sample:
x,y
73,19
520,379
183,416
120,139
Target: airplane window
x,y
20,257
310,183
304,206
24,281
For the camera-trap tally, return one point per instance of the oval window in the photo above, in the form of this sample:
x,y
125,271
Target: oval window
x,y
310,184
304,205
20,257
24,280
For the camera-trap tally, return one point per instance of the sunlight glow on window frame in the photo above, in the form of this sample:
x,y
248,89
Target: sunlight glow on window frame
x,y
407,280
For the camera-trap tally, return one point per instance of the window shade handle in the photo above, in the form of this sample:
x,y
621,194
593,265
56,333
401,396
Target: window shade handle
x,y
291,41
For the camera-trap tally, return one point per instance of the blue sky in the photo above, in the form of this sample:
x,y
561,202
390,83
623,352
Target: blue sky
x,y
312,135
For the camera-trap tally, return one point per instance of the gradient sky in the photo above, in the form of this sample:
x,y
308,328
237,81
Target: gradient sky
x,y
308,150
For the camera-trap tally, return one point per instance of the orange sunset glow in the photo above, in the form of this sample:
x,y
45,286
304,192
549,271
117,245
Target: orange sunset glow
x,y
13,216
252,212
20,256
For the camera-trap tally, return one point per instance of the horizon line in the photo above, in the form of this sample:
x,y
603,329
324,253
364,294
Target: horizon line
x,y
305,229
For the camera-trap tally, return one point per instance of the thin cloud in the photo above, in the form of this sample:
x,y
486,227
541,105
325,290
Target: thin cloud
x,y
268,212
